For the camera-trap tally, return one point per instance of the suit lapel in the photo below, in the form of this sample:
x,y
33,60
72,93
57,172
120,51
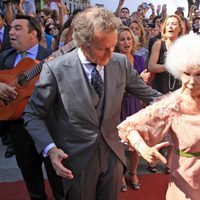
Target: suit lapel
x,y
11,61
109,87
79,82
41,54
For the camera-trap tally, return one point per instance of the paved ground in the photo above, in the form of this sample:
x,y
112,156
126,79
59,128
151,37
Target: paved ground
x,y
9,172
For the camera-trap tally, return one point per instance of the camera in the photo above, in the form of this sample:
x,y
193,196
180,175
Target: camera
x,y
145,5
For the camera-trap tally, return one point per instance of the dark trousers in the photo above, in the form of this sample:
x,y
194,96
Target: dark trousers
x,y
6,138
4,133
30,164
100,180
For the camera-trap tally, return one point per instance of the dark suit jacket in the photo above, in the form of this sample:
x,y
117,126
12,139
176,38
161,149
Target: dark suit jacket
x,y
62,109
8,57
6,39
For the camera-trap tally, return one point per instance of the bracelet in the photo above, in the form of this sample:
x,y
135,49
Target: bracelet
x,y
139,146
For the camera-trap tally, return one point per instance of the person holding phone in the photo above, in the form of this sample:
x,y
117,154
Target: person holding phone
x,y
26,7
52,4
158,9
164,11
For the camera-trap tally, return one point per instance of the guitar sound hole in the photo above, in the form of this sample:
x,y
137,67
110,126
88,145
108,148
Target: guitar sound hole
x,y
22,80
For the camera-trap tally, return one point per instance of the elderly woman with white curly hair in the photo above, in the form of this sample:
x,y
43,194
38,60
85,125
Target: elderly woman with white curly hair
x,y
178,113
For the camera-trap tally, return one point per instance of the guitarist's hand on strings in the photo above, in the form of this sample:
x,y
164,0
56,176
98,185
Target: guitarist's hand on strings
x,y
7,93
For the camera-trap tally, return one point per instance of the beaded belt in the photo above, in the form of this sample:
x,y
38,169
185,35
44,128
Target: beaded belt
x,y
186,154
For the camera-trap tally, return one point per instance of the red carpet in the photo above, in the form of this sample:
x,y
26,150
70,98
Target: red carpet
x,y
153,187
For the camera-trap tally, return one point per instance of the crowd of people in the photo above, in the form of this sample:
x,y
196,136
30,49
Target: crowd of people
x,y
99,69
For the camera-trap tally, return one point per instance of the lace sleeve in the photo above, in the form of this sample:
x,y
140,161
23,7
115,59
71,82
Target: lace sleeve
x,y
152,123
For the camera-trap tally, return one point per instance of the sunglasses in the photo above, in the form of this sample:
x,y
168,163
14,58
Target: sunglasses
x,y
42,16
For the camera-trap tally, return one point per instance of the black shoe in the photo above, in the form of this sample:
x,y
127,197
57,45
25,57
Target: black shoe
x,y
124,187
167,170
152,169
9,151
135,186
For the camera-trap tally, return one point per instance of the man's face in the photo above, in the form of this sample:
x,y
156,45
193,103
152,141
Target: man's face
x,y
20,37
44,17
124,14
101,48
154,31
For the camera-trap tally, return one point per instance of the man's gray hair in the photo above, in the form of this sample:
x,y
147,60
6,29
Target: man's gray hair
x,y
93,19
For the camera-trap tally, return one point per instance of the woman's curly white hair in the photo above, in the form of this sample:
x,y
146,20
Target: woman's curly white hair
x,y
183,54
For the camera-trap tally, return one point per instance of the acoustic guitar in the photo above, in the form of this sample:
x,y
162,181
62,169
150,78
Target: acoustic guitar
x,y
23,78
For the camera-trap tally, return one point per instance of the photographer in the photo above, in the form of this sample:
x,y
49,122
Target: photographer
x,y
22,6
180,11
25,7
7,10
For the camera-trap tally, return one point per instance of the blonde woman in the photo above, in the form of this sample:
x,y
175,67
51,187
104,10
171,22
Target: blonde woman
x,y
127,44
139,32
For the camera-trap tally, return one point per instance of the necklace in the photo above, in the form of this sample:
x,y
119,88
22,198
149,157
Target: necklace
x,y
171,87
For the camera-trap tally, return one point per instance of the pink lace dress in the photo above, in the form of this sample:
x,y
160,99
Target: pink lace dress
x,y
153,123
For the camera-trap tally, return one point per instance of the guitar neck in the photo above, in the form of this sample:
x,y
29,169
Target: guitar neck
x,y
31,73
64,49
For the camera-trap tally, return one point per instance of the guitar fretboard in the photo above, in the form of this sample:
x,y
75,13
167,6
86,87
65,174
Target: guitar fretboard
x,y
31,73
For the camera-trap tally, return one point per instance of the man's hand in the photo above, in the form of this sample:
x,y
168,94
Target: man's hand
x,y
18,6
146,76
57,155
151,6
121,2
7,93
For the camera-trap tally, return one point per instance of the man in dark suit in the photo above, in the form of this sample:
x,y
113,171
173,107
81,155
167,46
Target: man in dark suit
x,y
72,117
25,34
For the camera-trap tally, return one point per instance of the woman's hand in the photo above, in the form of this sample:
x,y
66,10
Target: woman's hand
x,y
152,154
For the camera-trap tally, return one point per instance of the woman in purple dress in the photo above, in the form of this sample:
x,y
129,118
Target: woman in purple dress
x,y
131,104
127,44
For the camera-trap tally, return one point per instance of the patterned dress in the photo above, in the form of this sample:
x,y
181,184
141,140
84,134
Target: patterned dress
x,y
171,115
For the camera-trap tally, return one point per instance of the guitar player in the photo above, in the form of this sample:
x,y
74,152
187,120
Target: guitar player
x,y
25,35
